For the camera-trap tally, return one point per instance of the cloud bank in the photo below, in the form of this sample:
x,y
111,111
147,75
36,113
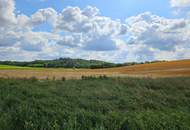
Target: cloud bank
x,y
180,3
85,33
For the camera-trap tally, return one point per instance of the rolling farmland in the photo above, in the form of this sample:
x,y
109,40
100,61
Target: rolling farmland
x,y
160,69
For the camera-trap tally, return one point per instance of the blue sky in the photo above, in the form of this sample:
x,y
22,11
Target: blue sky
x,y
117,9
111,30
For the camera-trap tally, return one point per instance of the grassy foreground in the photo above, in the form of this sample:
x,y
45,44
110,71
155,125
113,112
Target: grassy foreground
x,y
95,104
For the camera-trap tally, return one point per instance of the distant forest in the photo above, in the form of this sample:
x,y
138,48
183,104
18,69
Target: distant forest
x,y
69,63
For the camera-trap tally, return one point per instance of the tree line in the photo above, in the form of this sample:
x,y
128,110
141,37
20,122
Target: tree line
x,y
69,63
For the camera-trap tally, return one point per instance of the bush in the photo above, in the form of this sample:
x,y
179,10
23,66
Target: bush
x,y
88,77
33,79
63,78
103,77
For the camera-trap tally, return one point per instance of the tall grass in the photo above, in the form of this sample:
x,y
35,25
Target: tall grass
x,y
95,104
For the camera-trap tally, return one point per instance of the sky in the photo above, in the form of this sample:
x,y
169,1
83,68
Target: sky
x,y
115,31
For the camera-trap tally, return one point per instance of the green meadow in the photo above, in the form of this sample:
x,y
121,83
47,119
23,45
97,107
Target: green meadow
x,y
95,104
12,67
2,67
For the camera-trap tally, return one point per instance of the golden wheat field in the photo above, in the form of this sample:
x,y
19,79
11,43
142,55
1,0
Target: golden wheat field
x,y
154,70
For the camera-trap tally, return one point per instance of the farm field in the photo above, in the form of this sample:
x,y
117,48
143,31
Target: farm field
x,y
94,65
95,104
161,69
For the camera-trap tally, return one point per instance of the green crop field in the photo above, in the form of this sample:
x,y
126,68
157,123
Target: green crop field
x,y
95,104
13,67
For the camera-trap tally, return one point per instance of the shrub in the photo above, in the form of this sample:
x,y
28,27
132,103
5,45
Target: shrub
x,y
87,77
103,77
33,79
63,78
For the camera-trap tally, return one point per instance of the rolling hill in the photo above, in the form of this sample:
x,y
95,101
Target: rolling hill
x,y
158,69
61,63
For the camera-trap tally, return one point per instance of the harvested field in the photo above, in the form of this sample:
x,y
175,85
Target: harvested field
x,y
161,69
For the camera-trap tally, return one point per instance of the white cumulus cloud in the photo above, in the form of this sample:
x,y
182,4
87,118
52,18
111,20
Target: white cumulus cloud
x,y
89,34
180,3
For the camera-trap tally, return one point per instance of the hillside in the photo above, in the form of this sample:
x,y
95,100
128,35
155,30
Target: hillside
x,y
158,69
61,63
70,63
